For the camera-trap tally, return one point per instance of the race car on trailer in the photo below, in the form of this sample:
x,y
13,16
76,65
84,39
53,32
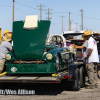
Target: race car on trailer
x,y
34,61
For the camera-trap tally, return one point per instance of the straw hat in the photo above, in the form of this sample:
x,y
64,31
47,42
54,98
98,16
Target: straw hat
x,y
8,37
86,33
96,32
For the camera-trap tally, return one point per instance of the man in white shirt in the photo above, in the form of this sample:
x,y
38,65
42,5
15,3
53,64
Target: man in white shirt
x,y
92,60
97,38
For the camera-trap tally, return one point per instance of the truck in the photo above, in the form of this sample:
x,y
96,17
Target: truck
x,y
35,61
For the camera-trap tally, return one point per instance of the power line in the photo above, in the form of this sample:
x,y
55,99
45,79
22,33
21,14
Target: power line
x,y
54,12
58,12
61,12
6,6
91,18
85,16
29,2
21,11
5,23
14,7
26,5
75,14
40,3
56,23
36,1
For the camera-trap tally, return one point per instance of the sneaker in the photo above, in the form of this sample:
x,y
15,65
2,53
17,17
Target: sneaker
x,y
89,87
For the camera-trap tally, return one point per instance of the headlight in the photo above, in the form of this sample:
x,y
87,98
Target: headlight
x,y
49,56
8,56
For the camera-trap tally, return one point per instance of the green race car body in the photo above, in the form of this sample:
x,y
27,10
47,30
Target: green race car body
x,y
32,56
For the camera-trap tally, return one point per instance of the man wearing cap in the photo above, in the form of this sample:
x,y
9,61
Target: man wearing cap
x,y
95,35
5,47
92,60
6,32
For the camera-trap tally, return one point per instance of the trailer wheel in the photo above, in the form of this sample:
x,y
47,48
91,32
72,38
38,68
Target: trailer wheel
x,y
57,63
76,83
82,77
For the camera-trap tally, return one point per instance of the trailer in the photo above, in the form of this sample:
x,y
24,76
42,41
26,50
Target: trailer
x,y
34,61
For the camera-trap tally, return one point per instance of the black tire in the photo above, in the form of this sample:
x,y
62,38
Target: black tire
x,y
82,77
57,63
76,83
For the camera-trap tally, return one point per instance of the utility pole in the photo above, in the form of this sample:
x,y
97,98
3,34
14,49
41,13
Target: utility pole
x,y
48,13
84,28
48,17
69,22
82,18
76,26
62,22
40,11
80,27
13,10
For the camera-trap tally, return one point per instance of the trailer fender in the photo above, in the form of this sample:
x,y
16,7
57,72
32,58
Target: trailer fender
x,y
72,72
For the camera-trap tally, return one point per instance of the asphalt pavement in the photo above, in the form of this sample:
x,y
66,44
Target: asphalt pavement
x,y
52,92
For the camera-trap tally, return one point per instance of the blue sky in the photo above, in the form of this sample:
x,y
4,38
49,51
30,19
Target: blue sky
x,y
91,13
